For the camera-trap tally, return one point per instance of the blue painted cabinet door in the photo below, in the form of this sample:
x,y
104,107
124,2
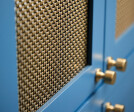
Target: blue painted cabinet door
x,y
121,46
75,93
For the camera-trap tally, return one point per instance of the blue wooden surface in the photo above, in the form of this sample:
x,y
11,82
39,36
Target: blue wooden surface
x,y
79,89
120,93
8,64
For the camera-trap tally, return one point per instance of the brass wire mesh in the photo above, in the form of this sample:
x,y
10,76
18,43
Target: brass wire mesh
x,y
124,16
51,47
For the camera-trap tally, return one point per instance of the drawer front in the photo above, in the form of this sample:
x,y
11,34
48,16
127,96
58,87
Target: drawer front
x,y
120,93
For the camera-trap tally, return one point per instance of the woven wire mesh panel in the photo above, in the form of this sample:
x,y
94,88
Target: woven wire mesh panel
x,y
124,15
51,47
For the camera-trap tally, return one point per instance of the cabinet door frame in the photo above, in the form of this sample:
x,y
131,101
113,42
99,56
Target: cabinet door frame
x,y
121,46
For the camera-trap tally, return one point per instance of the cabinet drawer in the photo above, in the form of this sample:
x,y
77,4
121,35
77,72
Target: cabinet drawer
x,y
120,93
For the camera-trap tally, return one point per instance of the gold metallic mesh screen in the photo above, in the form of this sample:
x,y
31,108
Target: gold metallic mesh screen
x,y
124,15
51,47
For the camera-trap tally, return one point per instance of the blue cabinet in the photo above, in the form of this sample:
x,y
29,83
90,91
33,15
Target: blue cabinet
x,y
82,93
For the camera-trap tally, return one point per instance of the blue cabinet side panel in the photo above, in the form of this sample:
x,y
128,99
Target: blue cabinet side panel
x,y
8,64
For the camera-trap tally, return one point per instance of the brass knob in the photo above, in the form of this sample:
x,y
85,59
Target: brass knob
x,y
116,108
109,76
120,63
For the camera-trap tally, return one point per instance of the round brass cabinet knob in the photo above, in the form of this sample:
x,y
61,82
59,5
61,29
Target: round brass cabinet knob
x,y
116,108
120,63
109,76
